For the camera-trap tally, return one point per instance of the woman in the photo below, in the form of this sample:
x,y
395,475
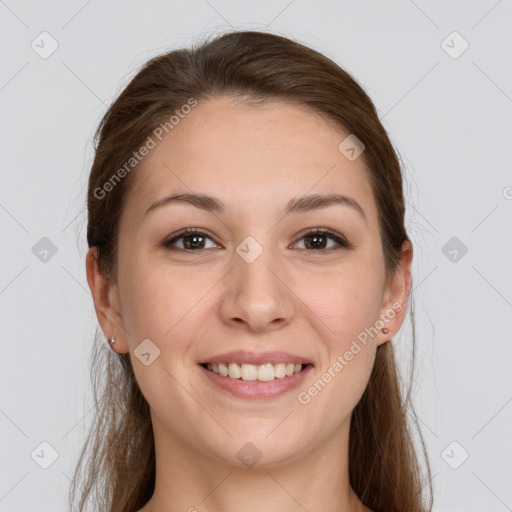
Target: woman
x,y
249,266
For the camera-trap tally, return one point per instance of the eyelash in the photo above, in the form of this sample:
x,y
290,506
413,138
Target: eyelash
x,y
343,243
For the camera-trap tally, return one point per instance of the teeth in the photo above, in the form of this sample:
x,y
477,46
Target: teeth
x,y
266,372
280,370
263,372
249,372
235,372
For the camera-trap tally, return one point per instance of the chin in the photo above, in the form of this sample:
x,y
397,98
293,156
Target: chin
x,y
258,449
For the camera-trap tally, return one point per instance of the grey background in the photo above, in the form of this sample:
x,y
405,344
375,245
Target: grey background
x,y
449,116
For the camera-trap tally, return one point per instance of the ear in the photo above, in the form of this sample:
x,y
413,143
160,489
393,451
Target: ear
x,y
105,294
396,294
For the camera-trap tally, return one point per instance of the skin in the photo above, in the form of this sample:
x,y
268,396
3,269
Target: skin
x,y
193,305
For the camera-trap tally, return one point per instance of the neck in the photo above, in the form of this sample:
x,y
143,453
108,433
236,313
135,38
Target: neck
x,y
186,480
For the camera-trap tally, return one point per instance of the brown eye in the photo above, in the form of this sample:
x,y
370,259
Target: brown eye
x,y
192,240
317,240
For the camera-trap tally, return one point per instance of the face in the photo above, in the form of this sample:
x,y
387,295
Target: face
x,y
254,276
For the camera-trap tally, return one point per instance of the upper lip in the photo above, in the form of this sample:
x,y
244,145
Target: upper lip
x,y
244,356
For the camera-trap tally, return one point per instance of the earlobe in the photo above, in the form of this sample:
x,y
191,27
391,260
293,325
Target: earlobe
x,y
103,291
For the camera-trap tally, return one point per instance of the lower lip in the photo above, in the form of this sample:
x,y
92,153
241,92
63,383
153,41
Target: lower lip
x,y
255,389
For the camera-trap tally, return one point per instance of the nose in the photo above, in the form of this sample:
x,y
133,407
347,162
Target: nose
x,y
256,296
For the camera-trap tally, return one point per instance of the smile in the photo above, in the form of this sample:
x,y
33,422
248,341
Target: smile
x,y
255,382
250,372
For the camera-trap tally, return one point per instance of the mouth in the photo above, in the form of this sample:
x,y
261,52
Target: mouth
x,y
255,376
248,372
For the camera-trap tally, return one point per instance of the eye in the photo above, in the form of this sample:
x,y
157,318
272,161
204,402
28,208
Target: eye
x,y
315,240
195,240
192,240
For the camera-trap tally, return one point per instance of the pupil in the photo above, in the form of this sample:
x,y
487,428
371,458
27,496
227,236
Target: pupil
x,y
195,238
316,238
315,241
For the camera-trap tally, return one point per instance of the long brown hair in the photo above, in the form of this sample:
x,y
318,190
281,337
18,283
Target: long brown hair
x,y
118,458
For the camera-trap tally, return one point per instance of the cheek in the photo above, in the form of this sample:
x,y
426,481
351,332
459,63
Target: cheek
x,y
338,385
159,305
340,382
346,301
345,307
158,302
165,306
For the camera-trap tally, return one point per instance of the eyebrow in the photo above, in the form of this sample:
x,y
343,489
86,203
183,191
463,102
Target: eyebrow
x,y
295,205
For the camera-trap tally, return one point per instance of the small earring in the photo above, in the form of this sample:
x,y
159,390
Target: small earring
x,y
385,330
111,341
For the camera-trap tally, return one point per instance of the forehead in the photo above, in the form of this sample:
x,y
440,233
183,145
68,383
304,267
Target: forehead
x,y
252,157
